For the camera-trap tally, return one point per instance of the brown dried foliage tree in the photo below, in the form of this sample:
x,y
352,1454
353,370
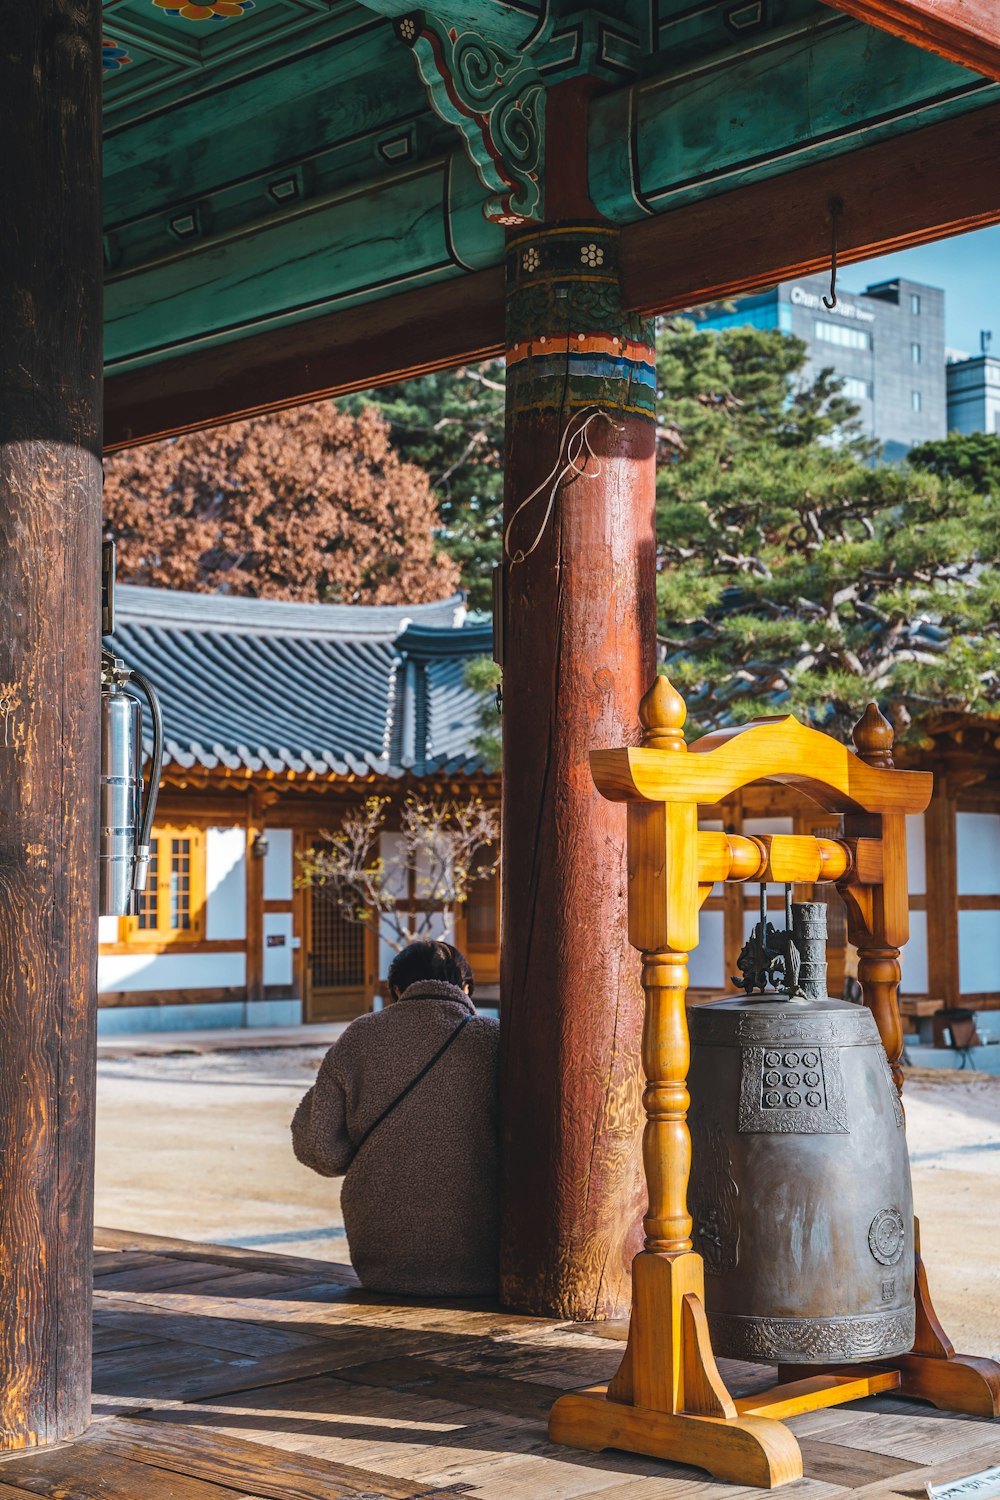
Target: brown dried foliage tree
x,y
309,504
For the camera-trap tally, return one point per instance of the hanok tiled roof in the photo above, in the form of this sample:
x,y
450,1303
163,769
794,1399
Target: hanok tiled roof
x,y
265,685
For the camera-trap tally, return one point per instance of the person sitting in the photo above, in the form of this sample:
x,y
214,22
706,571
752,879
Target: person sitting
x,y
405,1104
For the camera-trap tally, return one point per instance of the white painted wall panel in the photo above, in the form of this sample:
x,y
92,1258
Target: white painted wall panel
x,y
916,856
107,929
169,971
225,884
278,871
390,849
913,958
978,838
756,826
278,957
978,951
706,967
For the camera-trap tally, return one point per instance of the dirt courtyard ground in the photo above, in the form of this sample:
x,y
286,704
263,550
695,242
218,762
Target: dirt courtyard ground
x,y
198,1146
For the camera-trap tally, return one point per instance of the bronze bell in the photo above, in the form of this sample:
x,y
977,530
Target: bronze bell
x,y
800,1179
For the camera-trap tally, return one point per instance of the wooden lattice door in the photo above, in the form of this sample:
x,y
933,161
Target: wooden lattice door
x,y
337,987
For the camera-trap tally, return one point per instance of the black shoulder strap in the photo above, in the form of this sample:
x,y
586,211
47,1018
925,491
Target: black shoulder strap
x,y
412,1084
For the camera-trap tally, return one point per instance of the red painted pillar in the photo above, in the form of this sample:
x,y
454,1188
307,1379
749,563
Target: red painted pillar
x,y
580,620
50,526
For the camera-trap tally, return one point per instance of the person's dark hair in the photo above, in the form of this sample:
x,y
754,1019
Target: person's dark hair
x,y
425,960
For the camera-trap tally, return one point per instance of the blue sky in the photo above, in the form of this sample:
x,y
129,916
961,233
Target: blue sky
x,y
967,266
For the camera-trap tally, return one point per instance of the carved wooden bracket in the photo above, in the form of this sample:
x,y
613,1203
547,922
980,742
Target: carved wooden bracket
x,y
495,97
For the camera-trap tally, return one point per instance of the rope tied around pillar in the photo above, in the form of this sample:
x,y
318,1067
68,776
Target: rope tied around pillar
x,y
572,445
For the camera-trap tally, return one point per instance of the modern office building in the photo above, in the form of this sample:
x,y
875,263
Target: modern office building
x,y
886,344
973,393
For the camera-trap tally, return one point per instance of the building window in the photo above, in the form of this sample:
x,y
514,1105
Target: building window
x,y
172,907
843,334
149,899
915,303
857,390
915,353
915,400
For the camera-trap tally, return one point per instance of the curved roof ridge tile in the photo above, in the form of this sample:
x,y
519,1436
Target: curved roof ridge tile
x,y
232,612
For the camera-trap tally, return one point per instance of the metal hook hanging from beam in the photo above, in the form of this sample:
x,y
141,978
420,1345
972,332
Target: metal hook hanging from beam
x,y
836,206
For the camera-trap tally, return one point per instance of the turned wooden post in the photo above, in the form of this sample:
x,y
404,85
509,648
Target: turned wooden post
x,y
50,515
878,941
666,1053
579,652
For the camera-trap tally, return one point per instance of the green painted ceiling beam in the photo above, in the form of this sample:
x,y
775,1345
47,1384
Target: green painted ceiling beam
x,y
321,177
423,225
711,125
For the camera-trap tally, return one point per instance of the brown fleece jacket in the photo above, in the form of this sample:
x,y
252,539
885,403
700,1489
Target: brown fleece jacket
x,y
420,1198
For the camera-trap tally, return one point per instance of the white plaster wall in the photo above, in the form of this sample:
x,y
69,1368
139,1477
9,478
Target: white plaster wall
x,y
916,855
278,960
169,971
978,951
107,929
391,851
913,958
278,868
225,885
756,826
978,840
706,966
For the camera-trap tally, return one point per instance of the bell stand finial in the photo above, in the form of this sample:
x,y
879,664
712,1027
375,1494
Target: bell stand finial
x,y
873,736
662,712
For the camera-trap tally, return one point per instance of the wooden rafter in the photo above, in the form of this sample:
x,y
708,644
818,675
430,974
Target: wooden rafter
x,y
924,185
963,31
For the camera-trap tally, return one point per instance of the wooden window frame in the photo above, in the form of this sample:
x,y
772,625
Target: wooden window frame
x,y
163,937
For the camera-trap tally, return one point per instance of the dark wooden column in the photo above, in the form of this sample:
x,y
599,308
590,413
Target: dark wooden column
x,y
255,903
50,511
580,652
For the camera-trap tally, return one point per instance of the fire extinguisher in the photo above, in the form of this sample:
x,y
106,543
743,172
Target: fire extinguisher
x,y
126,816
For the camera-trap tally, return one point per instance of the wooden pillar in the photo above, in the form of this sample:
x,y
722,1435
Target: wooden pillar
x,y
255,902
579,653
50,513
941,848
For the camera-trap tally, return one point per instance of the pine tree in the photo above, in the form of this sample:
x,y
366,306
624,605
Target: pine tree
x,y
795,574
452,425
973,457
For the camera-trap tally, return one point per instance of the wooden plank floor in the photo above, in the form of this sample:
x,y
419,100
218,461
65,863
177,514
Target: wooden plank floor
x,y
224,1374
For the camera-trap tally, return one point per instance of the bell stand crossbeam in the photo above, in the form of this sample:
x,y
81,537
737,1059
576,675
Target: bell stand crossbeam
x,y
668,1398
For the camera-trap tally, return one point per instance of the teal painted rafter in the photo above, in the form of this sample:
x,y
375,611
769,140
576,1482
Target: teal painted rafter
x,y
496,100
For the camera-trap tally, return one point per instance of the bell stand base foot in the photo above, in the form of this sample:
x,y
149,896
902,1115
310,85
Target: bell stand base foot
x,y
952,1382
669,1401
748,1450
933,1371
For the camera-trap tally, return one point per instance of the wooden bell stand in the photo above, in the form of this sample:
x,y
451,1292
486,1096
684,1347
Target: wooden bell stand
x,y
668,1398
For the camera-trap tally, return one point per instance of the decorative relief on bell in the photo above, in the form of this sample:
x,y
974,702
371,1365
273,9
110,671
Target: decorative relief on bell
x,y
781,1091
811,1340
714,1208
897,1103
887,1236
